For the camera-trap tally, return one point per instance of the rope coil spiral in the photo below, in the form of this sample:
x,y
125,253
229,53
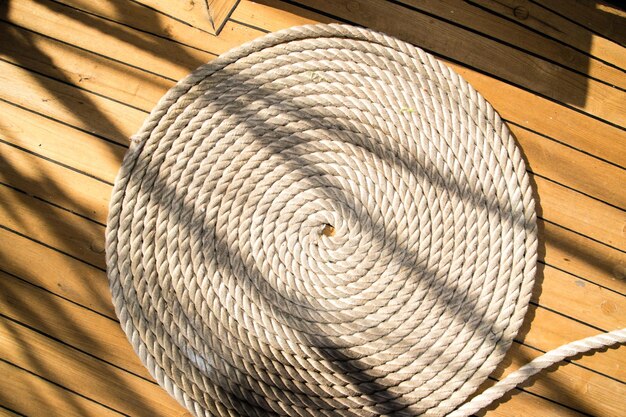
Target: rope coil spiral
x,y
323,221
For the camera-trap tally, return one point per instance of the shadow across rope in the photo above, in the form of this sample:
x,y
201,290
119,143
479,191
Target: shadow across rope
x,y
324,221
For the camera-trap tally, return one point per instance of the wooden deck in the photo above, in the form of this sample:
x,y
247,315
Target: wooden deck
x,y
77,78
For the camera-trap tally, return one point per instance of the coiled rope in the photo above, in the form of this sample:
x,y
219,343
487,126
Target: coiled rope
x,y
324,221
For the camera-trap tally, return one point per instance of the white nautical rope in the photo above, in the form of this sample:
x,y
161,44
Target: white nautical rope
x,y
325,221
523,374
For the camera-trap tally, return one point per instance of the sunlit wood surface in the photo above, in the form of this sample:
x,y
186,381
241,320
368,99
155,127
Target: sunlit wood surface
x,y
77,78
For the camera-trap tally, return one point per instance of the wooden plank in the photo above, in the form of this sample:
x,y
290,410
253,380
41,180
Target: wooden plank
x,y
582,300
76,66
570,385
52,226
549,333
146,88
83,329
100,245
113,168
572,168
83,374
545,336
59,228
88,331
60,142
548,23
547,157
56,272
514,29
524,404
207,15
33,396
84,110
558,204
154,19
275,15
566,184
615,262
5,412
192,12
582,256
599,16
548,118
580,213
220,10
575,130
107,37
547,330
555,194
514,104
484,54
51,182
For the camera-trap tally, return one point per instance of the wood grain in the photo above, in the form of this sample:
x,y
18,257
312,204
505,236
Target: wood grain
x,y
553,25
515,104
85,330
219,11
33,396
599,16
535,30
77,79
498,60
83,374
55,272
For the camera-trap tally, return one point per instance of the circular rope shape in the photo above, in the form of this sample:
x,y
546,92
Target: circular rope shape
x,y
324,221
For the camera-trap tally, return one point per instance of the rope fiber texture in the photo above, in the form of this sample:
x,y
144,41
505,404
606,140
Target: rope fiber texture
x,y
323,221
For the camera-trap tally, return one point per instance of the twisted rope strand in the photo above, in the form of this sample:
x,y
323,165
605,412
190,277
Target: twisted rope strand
x,y
538,364
225,276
